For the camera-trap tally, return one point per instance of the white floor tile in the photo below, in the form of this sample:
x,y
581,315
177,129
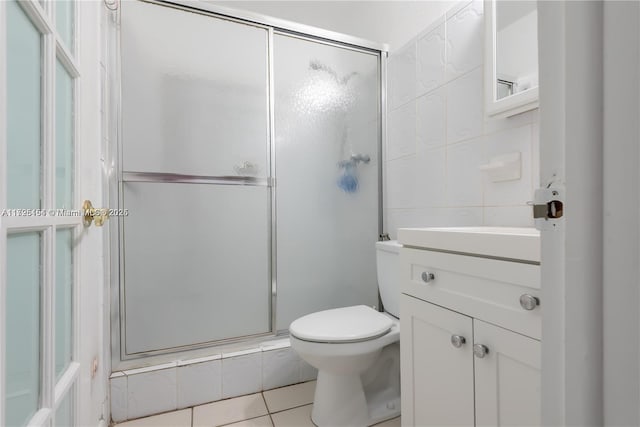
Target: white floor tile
x,y
283,398
170,419
298,417
394,422
229,411
255,422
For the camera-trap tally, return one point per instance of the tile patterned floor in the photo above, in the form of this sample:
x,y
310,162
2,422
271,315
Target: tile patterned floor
x,y
282,407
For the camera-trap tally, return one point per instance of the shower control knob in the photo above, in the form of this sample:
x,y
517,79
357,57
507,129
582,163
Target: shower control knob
x,y
428,277
480,350
529,302
457,340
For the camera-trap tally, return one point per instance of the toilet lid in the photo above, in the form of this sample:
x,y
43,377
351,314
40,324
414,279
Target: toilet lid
x,y
348,324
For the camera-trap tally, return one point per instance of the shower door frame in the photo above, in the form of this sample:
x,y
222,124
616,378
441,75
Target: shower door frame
x,y
114,175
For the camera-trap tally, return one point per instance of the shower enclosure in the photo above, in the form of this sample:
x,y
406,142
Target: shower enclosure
x,y
248,170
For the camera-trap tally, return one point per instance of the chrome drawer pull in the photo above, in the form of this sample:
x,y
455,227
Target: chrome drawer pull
x,y
529,302
428,277
480,350
457,340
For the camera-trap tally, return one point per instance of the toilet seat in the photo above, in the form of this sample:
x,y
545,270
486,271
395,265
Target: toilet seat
x,y
341,325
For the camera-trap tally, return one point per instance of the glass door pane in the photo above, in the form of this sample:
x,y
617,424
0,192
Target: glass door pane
x,y
64,414
23,335
24,63
196,264
64,138
63,300
65,16
194,98
327,133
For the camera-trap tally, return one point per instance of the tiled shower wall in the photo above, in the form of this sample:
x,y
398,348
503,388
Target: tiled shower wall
x,y
438,135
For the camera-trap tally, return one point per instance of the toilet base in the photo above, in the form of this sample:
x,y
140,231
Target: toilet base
x,y
339,401
381,384
360,400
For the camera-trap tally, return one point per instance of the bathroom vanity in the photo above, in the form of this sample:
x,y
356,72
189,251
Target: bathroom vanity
x,y
470,326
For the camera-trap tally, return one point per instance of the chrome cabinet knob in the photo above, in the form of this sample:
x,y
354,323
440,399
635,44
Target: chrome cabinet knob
x,y
428,277
480,350
457,340
529,302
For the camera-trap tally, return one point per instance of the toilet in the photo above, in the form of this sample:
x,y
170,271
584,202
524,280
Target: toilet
x,y
357,353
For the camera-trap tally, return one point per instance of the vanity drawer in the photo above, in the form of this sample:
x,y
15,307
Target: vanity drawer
x,y
483,288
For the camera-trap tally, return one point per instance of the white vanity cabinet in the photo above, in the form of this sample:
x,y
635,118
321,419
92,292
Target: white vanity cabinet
x,y
470,349
507,379
437,378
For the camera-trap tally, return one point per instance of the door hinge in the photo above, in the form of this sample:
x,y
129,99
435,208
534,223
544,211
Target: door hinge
x,y
548,208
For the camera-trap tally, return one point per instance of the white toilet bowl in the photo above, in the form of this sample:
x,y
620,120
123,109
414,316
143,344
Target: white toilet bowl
x,y
353,348
357,353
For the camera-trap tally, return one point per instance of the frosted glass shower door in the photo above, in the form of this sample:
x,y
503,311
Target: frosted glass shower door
x,y
195,167
327,141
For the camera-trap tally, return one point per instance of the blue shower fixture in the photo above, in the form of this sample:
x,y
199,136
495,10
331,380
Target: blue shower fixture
x,y
348,181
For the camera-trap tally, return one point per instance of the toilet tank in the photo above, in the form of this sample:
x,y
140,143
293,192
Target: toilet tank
x,y
388,265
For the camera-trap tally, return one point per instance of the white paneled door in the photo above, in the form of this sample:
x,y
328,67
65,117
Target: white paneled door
x,y
41,230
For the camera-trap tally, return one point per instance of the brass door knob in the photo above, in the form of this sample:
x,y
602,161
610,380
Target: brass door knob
x,y
96,215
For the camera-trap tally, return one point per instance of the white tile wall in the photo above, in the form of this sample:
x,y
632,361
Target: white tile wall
x,y
279,368
119,398
465,107
535,150
402,76
432,176
431,60
433,217
402,131
464,178
199,383
241,375
505,216
182,384
431,123
465,40
151,393
401,182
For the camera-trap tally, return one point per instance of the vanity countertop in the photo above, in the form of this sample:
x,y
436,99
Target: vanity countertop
x,y
502,242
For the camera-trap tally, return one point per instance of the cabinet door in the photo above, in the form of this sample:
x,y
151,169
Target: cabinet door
x,y
437,378
507,387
